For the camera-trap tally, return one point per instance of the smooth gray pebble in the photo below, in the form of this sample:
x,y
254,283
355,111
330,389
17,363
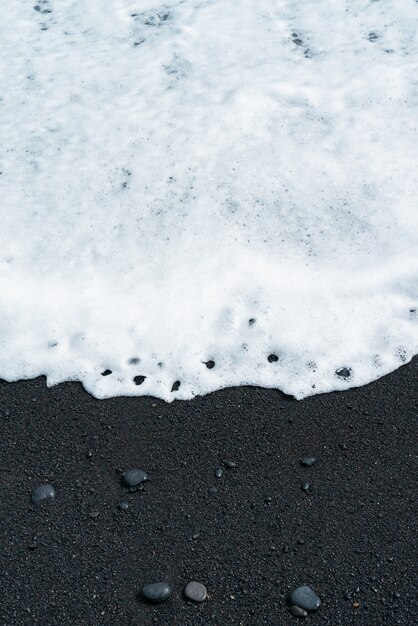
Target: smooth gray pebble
x,y
134,477
306,598
297,611
195,591
156,592
308,461
43,492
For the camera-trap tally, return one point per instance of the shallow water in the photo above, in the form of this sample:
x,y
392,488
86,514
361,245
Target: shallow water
x,y
215,182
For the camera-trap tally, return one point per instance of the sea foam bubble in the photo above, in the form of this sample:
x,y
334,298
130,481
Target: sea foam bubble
x,y
208,193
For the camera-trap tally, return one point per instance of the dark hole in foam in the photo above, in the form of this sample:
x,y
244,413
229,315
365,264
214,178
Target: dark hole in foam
x,y
176,386
210,364
134,361
138,380
272,358
251,321
344,372
106,373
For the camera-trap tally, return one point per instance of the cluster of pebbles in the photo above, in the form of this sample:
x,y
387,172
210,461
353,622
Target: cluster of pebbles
x,y
303,599
156,592
161,591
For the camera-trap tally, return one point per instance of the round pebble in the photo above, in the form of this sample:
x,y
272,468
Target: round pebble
x,y
195,591
308,461
230,464
134,477
156,592
305,598
218,472
123,506
297,611
43,492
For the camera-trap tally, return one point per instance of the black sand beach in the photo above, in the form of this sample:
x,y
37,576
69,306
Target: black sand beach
x,y
79,560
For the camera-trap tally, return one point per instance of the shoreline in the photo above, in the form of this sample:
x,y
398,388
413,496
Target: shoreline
x,y
250,536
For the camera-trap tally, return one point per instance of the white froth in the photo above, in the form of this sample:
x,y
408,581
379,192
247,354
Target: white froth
x,y
173,170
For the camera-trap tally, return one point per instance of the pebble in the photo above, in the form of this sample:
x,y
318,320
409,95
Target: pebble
x,y
43,492
308,461
305,598
134,477
218,472
297,611
195,591
156,592
230,464
305,487
123,506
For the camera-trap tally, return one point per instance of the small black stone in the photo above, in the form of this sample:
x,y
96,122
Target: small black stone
x,y
272,358
218,472
305,598
210,364
106,373
297,611
308,461
43,492
176,386
138,380
156,592
134,477
123,506
305,487
230,464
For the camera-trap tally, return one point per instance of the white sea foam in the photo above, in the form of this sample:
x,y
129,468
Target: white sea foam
x,y
173,170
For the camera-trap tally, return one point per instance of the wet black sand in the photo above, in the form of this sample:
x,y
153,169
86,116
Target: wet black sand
x,y
78,560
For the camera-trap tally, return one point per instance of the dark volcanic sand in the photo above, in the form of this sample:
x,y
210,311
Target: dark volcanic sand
x,y
352,533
